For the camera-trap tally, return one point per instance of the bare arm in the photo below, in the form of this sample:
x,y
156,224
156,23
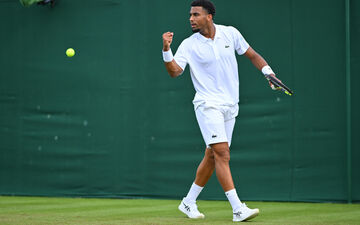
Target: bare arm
x,y
172,67
259,62
256,59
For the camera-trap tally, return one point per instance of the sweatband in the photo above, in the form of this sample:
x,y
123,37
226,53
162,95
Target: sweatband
x,y
168,56
266,70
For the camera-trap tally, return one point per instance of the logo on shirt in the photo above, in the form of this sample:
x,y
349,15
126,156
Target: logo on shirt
x,y
214,136
226,46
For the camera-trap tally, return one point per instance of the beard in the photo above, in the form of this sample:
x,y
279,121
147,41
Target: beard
x,y
195,30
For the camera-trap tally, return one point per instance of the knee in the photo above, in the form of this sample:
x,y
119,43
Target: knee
x,y
221,153
209,153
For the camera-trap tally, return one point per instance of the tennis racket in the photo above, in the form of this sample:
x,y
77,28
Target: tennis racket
x,y
279,85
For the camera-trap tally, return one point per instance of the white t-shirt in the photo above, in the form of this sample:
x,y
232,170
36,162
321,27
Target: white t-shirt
x,y
213,65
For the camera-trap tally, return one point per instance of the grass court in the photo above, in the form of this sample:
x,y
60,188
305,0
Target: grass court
x,y
43,210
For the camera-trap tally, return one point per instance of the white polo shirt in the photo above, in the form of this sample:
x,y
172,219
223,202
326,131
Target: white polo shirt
x,y
213,65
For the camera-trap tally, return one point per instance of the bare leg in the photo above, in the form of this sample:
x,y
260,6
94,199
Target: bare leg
x,y
222,157
203,174
205,169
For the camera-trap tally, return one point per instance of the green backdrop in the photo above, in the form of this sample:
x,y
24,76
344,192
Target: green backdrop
x,y
110,122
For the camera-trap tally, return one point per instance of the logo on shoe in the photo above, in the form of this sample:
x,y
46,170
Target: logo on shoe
x,y
238,213
187,207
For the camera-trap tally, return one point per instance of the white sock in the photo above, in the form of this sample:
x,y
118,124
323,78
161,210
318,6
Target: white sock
x,y
193,193
233,199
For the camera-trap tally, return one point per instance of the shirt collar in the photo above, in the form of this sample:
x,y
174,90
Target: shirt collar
x,y
217,35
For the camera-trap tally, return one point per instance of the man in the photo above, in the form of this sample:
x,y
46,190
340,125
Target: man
x,y
210,53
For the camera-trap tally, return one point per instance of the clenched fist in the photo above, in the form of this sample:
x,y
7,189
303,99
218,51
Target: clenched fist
x,y
167,39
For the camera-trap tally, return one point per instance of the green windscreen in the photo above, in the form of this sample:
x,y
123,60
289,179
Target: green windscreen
x,y
110,122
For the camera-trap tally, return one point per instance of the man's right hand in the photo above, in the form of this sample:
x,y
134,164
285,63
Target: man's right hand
x,y
167,39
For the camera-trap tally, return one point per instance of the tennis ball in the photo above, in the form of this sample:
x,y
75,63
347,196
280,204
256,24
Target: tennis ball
x,y
70,52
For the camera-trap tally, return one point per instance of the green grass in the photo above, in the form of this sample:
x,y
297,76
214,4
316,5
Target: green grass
x,y
41,210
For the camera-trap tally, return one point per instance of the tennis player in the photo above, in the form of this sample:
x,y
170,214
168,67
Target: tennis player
x,y
210,53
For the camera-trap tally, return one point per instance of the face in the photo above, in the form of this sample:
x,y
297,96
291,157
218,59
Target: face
x,y
199,18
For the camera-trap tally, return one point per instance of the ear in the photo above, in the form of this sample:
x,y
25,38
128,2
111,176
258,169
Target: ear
x,y
209,17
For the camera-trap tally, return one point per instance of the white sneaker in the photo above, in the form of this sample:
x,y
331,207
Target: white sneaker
x,y
190,210
244,213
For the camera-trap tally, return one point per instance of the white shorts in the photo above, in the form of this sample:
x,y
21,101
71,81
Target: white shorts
x,y
216,122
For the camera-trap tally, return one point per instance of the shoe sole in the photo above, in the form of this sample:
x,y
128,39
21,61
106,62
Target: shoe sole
x,y
253,215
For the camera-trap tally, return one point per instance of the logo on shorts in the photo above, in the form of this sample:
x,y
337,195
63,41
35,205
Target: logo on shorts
x,y
214,136
226,46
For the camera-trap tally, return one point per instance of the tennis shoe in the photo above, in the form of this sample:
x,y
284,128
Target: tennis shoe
x,y
244,213
190,210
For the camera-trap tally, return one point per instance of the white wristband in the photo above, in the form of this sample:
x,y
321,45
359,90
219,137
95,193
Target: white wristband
x,y
168,56
266,70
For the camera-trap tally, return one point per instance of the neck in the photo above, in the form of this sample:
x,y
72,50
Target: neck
x,y
209,31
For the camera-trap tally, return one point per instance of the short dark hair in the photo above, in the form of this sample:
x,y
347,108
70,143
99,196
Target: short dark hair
x,y
206,4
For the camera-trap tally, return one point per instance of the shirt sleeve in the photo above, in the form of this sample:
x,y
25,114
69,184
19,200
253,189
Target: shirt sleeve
x,y
181,57
240,44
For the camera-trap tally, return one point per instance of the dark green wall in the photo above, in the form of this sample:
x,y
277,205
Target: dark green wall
x,y
355,95
110,122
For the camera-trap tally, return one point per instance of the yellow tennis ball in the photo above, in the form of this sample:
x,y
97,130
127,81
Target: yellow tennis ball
x,y
70,52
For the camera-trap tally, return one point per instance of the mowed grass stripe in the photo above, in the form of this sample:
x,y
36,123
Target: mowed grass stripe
x,y
42,210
